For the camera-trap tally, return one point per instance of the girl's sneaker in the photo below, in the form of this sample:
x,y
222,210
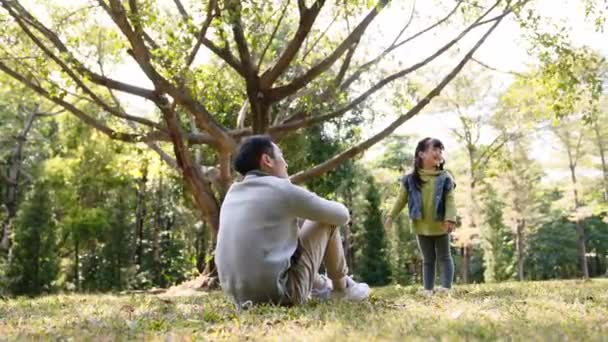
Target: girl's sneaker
x,y
443,290
425,293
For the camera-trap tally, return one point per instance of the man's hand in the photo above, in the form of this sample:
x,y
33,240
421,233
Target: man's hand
x,y
449,226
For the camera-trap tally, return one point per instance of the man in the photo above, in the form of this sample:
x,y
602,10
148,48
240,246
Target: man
x,y
262,255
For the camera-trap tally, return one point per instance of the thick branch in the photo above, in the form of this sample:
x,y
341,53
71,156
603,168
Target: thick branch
x,y
310,49
307,19
353,151
225,54
151,144
201,190
239,37
300,82
274,32
181,95
181,9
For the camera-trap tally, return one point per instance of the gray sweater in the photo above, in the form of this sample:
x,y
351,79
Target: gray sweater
x,y
258,235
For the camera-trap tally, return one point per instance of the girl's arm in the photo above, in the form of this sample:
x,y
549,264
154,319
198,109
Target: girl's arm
x,y
450,207
400,204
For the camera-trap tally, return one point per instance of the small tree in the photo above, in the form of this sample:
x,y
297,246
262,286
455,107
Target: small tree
x,y
373,265
34,263
405,255
497,239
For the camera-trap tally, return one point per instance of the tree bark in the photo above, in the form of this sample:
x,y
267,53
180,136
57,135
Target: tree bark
x,y
602,150
580,230
466,262
520,248
76,264
140,215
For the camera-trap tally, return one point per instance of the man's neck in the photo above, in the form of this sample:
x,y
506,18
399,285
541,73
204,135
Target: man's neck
x,y
258,173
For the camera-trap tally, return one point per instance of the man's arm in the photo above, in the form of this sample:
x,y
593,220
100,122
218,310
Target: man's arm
x,y
307,205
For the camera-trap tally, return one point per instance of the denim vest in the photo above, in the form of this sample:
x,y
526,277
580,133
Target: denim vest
x,y
443,184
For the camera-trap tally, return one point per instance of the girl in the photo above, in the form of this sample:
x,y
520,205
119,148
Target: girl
x,y
429,192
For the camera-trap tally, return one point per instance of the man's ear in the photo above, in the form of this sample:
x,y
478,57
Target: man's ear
x,y
266,160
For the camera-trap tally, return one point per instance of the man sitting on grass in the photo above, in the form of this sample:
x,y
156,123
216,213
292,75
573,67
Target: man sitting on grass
x,y
262,254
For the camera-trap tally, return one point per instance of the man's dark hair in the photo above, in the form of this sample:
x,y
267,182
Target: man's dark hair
x,y
249,152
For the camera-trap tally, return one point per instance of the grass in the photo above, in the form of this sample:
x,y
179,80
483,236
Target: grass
x,y
553,311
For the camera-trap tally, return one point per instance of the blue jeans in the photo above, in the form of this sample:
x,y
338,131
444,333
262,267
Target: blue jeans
x,y
433,248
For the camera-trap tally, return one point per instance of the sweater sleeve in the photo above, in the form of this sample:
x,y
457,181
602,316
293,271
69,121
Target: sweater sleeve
x,y
307,205
400,204
450,206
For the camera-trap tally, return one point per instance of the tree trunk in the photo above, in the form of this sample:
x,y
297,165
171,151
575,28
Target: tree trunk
x,y
580,231
156,231
13,177
520,248
466,262
200,187
467,245
259,104
36,261
602,150
201,248
76,264
140,215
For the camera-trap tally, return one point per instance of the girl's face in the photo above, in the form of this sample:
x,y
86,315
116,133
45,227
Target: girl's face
x,y
432,157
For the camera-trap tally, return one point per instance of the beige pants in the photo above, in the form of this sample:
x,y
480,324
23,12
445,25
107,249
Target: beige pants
x,y
318,243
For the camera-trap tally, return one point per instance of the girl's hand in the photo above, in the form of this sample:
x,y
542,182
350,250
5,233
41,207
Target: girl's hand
x,y
449,226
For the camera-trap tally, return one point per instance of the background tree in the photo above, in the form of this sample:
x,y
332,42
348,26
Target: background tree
x,y
373,266
34,265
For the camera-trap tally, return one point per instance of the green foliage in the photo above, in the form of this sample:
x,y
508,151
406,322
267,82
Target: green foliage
x,y
553,251
404,254
373,265
397,154
34,264
498,241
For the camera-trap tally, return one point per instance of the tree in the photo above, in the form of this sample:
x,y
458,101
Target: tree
x,y
21,124
497,241
468,96
599,133
373,265
34,264
405,254
571,139
271,78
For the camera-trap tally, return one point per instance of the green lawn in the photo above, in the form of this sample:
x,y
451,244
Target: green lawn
x,y
556,310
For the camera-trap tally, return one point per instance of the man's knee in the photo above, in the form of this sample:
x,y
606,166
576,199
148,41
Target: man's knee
x,y
309,227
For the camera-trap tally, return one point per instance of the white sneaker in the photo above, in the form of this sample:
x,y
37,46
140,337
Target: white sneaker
x,y
425,293
443,290
354,291
322,292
